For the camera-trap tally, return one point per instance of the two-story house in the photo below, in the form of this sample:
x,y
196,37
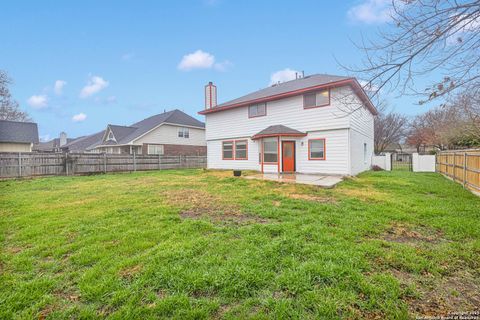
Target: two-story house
x,y
315,124
170,133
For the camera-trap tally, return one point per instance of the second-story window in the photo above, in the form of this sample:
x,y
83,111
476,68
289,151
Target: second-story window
x,y
316,99
183,133
257,110
110,136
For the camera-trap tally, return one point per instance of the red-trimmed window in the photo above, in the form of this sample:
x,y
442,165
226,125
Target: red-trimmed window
x,y
316,149
257,110
241,149
316,99
227,150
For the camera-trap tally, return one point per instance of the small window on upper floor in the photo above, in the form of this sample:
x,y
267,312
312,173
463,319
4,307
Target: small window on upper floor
x,y
110,136
316,99
183,133
257,110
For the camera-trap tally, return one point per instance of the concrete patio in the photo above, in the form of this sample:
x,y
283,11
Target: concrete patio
x,y
324,181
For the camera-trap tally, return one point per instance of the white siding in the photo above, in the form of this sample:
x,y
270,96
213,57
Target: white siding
x,y
168,134
358,163
336,153
215,161
288,112
345,125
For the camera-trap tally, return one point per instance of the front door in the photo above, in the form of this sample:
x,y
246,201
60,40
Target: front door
x,y
288,156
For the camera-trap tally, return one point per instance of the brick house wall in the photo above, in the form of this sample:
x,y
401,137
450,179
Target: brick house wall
x,y
179,150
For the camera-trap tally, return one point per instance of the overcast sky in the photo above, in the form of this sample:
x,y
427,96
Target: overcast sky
x,y
81,65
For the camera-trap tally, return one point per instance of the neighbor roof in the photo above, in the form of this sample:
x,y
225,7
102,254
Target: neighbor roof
x,y
84,143
50,145
126,134
18,132
294,87
278,130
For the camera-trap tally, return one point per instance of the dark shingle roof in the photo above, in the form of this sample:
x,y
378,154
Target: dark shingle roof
x,y
175,117
19,132
292,87
50,145
121,132
125,134
278,130
84,143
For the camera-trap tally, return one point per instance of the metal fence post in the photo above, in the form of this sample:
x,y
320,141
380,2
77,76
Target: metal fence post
x,y
19,164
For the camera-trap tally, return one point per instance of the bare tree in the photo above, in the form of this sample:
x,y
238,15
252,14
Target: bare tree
x,y
9,108
390,129
425,35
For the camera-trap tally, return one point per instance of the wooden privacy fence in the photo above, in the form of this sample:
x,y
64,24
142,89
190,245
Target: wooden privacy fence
x,y
41,164
461,166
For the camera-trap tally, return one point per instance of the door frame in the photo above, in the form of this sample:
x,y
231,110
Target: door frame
x,y
294,155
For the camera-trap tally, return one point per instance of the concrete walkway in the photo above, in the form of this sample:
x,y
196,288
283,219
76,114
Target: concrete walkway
x,y
324,181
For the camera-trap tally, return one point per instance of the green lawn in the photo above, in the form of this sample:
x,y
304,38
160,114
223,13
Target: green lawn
x,y
199,244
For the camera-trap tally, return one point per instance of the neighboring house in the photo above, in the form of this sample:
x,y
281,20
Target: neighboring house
x,y
170,133
54,145
17,136
314,124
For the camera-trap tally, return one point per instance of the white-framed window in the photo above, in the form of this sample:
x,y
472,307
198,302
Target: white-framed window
x,y
257,110
365,152
183,132
316,99
155,149
227,150
316,149
110,136
270,150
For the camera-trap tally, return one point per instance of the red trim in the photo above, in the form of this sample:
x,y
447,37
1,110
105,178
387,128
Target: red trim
x,y
315,93
233,149
246,154
324,149
263,115
260,136
352,82
278,154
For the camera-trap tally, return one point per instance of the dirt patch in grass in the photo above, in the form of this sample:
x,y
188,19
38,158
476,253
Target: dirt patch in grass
x,y
310,197
197,204
458,292
131,272
365,194
402,233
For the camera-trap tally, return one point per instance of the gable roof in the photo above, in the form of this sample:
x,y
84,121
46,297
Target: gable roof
x,y
18,132
50,145
278,130
84,143
295,87
126,134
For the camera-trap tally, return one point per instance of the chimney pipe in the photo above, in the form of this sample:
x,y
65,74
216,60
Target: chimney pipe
x,y
63,139
210,96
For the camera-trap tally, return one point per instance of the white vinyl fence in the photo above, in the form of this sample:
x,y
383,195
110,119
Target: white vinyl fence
x,y
383,161
423,163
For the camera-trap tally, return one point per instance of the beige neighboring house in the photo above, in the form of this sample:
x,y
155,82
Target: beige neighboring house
x,y
169,133
17,136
